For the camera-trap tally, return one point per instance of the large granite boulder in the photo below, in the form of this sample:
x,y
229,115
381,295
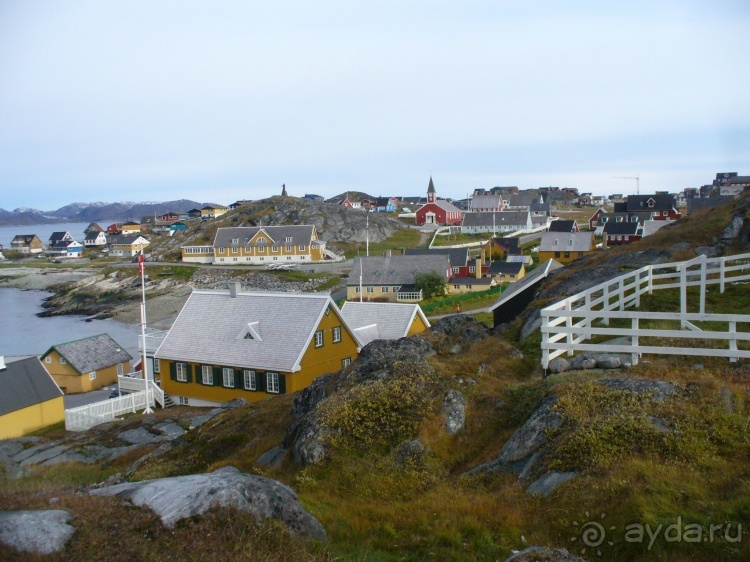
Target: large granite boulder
x,y
40,532
177,498
378,357
454,412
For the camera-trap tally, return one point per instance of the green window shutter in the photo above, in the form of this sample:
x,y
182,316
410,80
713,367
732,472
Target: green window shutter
x,y
282,384
189,372
218,376
173,370
239,378
260,381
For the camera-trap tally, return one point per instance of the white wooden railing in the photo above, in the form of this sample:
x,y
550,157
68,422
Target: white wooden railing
x,y
86,417
569,323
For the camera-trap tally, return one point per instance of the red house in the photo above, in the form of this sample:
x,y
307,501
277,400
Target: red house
x,y
113,228
437,212
594,220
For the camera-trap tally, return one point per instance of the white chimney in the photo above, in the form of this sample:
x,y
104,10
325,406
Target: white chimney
x,y
234,288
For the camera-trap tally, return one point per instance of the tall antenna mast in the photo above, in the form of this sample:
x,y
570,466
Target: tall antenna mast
x,y
637,179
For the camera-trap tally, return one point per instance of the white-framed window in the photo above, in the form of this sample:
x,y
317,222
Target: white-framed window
x,y
274,248
288,248
235,240
48,359
319,338
345,362
181,369
262,249
472,269
468,286
92,375
370,289
288,239
221,250
261,240
301,247
457,287
249,381
336,334
356,289
228,373
384,289
120,369
207,374
272,382
157,365
235,249
455,271
63,361
184,401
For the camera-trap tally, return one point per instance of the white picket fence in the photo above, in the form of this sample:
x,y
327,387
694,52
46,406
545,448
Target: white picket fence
x,y
86,417
568,324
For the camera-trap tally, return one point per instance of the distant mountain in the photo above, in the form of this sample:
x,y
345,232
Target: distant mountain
x,y
92,212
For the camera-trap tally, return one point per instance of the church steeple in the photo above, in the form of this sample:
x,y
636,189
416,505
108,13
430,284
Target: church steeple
x,y
431,195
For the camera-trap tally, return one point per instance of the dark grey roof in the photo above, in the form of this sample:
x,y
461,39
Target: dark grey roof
x,y
24,239
55,237
562,226
396,270
431,186
501,218
93,235
458,256
24,383
566,242
277,235
382,201
94,226
662,202
471,281
92,354
505,268
512,245
619,228
445,205
524,198
535,276
537,207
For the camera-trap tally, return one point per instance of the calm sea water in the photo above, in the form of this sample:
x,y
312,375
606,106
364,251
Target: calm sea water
x,y
24,333
43,231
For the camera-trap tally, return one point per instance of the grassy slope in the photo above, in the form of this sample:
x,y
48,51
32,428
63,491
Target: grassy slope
x,y
375,509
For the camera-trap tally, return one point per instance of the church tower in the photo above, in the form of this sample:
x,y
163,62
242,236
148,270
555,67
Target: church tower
x,y
431,195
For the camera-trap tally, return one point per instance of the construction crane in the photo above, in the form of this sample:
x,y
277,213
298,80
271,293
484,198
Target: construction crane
x,y
637,179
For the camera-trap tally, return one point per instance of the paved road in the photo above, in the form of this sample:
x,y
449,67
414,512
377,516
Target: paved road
x,y
530,238
75,400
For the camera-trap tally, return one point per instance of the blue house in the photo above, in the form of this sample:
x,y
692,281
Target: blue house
x,y
176,227
384,205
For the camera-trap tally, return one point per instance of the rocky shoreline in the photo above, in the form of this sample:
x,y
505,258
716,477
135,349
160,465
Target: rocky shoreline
x,y
89,292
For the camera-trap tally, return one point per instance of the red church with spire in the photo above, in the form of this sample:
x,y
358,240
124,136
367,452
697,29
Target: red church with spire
x,y
437,211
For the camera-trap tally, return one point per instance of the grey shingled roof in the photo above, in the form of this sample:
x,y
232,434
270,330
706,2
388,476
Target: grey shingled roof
x,y
125,239
301,234
502,218
459,256
445,205
581,242
620,228
24,383
92,354
486,202
380,320
535,276
396,270
211,327
24,239
662,202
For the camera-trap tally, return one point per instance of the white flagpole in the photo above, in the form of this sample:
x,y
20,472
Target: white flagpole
x,y
144,360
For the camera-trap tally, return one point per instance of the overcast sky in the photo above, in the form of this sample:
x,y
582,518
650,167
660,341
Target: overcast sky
x,y
218,101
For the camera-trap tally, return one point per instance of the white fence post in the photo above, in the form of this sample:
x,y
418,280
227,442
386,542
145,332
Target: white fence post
x,y
683,295
621,293
703,285
605,306
634,342
569,324
721,274
732,340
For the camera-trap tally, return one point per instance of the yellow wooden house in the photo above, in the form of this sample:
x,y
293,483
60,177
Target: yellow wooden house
x,y
130,228
235,344
565,247
213,211
260,245
29,398
86,364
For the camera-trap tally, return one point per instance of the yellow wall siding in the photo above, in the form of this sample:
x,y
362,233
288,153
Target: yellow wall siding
x,y
31,418
72,382
376,295
417,326
544,256
196,389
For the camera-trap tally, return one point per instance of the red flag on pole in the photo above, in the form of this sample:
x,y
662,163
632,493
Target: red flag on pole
x,y
140,263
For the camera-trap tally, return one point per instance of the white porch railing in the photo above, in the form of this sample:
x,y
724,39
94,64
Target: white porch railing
x,y
409,297
86,417
569,323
